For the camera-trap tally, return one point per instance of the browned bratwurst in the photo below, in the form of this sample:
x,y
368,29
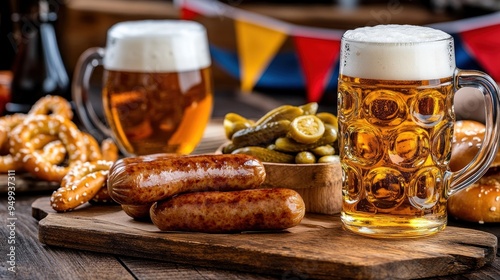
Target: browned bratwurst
x,y
137,212
137,181
234,211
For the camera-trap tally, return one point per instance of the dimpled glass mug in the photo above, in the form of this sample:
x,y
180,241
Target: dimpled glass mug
x,y
395,109
157,87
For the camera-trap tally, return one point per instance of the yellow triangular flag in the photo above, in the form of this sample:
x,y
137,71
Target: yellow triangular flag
x,y
257,45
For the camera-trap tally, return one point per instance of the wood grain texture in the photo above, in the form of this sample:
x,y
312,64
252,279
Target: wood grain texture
x,y
152,269
302,176
319,185
34,260
25,183
318,248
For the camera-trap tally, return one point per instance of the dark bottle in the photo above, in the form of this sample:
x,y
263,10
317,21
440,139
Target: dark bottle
x,y
38,69
6,36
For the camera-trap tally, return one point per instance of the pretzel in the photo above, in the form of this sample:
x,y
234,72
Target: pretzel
x,y
7,123
54,152
52,105
64,129
48,104
102,197
82,182
51,149
94,150
109,150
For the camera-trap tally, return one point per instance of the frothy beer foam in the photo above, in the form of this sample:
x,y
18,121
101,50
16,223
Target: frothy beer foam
x,y
156,46
397,52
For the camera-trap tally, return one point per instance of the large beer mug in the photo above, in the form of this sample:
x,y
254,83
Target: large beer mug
x,y
157,87
395,110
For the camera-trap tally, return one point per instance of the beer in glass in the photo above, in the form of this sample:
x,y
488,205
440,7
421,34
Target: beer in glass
x,y
395,109
157,87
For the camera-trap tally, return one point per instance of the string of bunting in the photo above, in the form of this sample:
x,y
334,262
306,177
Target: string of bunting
x,y
313,64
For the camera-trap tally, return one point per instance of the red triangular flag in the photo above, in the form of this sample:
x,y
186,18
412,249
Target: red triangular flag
x,y
484,44
188,14
317,57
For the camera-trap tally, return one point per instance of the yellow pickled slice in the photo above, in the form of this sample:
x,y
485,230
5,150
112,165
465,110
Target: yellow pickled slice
x,y
284,112
328,118
234,122
305,157
310,108
306,129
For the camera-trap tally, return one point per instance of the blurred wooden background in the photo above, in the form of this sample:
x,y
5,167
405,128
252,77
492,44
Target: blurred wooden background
x,y
83,23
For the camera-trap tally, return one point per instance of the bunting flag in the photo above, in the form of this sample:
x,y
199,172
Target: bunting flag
x,y
313,64
188,14
257,45
317,57
484,44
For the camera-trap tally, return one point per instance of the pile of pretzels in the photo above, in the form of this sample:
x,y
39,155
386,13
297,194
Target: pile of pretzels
x,y
46,143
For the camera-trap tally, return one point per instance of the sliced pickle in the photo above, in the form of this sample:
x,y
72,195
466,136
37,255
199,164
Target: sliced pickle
x,y
306,129
260,134
285,112
265,155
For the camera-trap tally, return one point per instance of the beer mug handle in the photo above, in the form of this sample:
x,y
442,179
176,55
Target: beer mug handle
x,y
487,153
86,64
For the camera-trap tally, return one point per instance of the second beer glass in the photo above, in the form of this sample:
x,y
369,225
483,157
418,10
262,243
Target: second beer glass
x,y
396,90
157,88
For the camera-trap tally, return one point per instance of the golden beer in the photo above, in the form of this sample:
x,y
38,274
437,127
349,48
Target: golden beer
x,y
396,144
150,113
157,87
395,110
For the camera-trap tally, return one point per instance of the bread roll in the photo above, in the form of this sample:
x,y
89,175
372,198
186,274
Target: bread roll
x,y
467,140
480,202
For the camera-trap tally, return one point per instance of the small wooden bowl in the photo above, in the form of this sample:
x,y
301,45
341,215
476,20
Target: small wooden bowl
x,y
319,184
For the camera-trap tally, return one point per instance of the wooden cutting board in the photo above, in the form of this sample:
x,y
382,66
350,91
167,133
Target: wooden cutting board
x,y
317,248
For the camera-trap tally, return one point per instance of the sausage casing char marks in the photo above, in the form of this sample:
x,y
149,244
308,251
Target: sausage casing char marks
x,y
146,180
234,211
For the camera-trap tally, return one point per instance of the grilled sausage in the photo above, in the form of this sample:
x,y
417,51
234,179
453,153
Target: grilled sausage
x,y
138,212
142,181
234,211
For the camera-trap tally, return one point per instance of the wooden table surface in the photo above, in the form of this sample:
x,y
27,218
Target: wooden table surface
x,y
34,260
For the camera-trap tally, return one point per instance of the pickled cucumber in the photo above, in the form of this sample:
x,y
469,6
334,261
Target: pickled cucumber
x,y
328,118
306,129
324,150
285,112
265,155
305,157
262,134
234,122
229,148
286,144
329,159
309,108
286,134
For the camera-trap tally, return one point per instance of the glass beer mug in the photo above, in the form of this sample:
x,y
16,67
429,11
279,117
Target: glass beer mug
x,y
157,88
395,110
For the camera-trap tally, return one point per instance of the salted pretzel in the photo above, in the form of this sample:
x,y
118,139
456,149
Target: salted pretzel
x,y
109,150
93,148
33,161
51,149
46,105
7,123
102,197
83,181
54,152
52,105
